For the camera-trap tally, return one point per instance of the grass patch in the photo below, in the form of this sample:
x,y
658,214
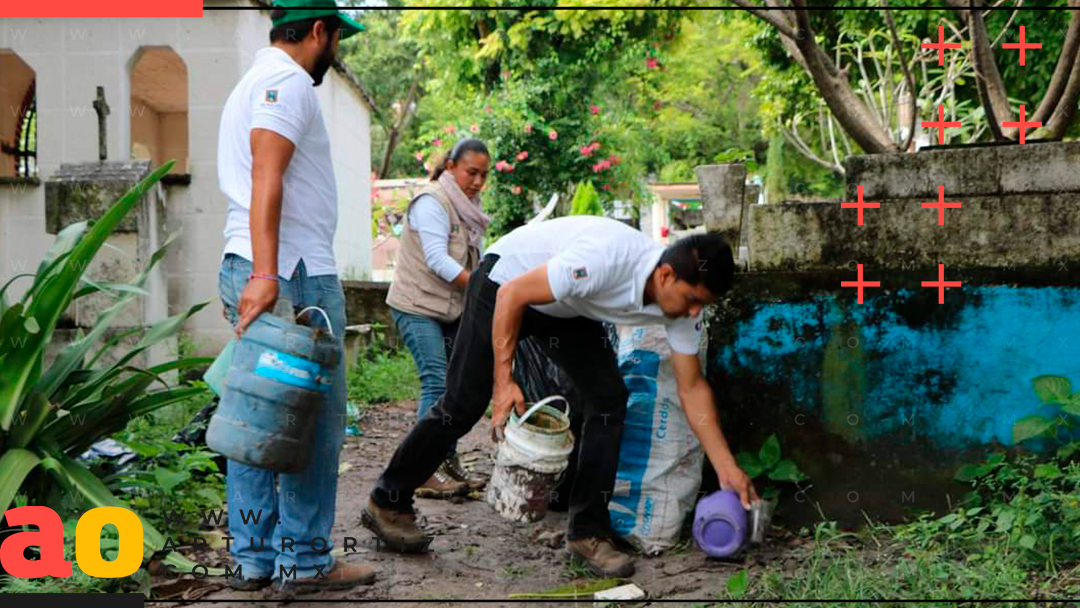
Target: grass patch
x,y
1013,537
383,376
838,566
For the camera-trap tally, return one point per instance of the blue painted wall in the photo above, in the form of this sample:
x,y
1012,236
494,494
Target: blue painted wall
x,y
877,398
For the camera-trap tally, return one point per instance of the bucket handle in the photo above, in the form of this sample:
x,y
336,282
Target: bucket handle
x,y
326,317
539,404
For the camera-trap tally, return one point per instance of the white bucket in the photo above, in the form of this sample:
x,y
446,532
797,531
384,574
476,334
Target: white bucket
x,y
530,461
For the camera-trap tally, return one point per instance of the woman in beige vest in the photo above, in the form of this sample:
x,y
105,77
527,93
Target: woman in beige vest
x,y
440,247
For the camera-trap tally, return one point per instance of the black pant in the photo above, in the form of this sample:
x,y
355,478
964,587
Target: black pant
x,y
580,346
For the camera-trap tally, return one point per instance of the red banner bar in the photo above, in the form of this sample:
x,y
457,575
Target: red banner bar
x,y
104,9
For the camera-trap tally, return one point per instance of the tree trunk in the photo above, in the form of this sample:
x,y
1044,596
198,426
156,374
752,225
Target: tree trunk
x,y
395,132
1063,69
1066,107
846,106
993,93
797,37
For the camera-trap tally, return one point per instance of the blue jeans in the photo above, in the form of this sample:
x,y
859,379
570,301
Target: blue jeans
x,y
299,506
430,343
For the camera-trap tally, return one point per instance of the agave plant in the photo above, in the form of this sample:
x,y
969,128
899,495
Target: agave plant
x,y
48,416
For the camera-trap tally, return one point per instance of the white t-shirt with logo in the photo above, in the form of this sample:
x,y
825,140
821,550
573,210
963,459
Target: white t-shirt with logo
x,y
597,268
278,95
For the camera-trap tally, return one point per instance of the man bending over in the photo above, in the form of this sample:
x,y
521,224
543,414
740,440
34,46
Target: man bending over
x,y
559,280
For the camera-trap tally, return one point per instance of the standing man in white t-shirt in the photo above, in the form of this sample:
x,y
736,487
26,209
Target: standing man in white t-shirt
x,y
558,281
275,169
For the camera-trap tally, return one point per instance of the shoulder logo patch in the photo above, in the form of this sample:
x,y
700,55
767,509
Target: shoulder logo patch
x,y
271,95
581,273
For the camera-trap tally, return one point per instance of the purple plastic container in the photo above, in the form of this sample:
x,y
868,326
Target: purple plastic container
x,y
720,524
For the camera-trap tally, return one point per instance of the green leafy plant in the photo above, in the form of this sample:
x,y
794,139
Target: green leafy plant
x,y
1028,506
767,462
51,414
177,477
1051,390
737,584
586,201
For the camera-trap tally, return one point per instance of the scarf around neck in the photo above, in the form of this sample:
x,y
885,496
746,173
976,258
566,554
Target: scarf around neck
x,y
468,209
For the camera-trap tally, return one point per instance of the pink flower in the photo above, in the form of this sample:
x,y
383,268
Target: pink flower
x,y
528,128
606,187
600,166
516,189
475,128
500,165
450,129
509,167
589,149
594,109
489,109
522,155
437,143
614,159
427,167
419,156
652,62
552,135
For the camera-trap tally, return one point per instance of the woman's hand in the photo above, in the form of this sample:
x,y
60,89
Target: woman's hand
x,y
733,478
505,396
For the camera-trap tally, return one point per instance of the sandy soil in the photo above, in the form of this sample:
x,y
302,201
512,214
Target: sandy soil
x,y
475,555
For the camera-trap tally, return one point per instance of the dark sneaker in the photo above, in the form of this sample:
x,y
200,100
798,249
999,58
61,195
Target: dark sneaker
x,y
442,485
341,576
394,529
249,584
457,472
601,557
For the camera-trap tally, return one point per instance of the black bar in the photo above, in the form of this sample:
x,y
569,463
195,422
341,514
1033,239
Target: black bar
x,y
82,600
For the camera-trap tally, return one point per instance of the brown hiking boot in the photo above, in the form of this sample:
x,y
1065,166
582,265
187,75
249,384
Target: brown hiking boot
x,y
458,473
396,530
601,557
342,576
441,485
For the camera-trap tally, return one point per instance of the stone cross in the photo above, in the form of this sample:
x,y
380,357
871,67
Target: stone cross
x,y
102,109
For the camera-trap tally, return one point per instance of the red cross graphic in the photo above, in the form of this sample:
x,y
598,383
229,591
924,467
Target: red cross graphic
x,y
942,45
941,284
1020,45
940,124
860,284
941,205
860,205
1022,125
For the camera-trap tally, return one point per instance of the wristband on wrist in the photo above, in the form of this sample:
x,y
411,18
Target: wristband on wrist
x,y
262,275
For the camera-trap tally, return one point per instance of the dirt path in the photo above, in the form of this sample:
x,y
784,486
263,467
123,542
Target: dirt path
x,y
476,554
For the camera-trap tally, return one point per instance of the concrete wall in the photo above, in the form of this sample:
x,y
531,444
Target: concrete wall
x,y
881,402
73,56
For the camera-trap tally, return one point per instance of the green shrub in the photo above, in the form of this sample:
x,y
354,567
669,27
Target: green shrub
x,y
50,415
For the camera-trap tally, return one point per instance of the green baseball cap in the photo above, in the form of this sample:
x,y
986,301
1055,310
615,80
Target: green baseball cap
x,y
298,10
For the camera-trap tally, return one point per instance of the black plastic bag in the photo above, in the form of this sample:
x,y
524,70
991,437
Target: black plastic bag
x,y
539,376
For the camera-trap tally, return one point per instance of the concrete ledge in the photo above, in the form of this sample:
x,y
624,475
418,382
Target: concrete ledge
x,y
976,171
1034,230
365,302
